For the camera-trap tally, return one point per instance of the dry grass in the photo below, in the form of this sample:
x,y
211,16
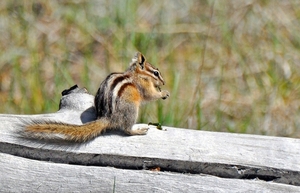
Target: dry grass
x,y
230,65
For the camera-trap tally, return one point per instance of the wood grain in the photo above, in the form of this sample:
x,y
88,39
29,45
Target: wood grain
x,y
24,175
232,161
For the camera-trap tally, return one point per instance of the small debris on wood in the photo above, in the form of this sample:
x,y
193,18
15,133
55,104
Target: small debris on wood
x,y
158,126
155,169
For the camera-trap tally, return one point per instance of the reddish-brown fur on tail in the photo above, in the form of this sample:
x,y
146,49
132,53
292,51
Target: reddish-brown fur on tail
x,y
66,132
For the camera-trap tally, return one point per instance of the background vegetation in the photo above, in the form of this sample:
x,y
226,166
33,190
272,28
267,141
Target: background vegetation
x,y
231,66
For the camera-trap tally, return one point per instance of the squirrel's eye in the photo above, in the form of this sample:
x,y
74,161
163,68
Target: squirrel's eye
x,y
155,73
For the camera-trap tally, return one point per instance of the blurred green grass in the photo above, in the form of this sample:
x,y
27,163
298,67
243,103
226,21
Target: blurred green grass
x,y
231,66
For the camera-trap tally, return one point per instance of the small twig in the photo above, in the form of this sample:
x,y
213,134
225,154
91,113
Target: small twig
x,y
158,125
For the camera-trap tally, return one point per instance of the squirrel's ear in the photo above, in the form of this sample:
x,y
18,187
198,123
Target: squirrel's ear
x,y
140,59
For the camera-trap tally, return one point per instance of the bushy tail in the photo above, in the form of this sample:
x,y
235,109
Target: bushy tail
x,y
65,132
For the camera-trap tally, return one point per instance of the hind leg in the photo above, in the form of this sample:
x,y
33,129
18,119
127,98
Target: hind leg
x,y
139,131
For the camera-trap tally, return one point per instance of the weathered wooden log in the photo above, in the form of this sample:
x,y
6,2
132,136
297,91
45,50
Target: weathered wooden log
x,y
172,160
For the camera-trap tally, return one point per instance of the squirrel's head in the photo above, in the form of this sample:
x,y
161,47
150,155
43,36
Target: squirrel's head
x,y
145,70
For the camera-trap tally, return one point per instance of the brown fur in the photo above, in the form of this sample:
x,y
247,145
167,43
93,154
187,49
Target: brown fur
x,y
117,103
76,133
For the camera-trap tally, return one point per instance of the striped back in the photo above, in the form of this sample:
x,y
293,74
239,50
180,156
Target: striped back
x,y
114,85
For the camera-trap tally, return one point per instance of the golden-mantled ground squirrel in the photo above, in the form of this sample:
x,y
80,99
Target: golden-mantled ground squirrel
x,y
117,104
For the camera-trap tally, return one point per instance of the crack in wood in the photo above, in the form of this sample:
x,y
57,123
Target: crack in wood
x,y
139,163
266,178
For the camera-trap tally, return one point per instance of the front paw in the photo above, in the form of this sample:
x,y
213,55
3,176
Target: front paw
x,y
165,94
